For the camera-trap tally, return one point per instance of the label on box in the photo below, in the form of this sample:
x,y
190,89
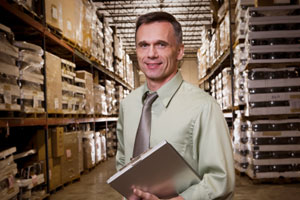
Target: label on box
x,y
271,133
68,153
54,12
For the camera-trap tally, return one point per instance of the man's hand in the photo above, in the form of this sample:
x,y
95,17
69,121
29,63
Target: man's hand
x,y
148,196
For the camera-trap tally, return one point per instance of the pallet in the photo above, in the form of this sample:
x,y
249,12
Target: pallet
x,y
73,180
88,170
57,188
280,180
272,65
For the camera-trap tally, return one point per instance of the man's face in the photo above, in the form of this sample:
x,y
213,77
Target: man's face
x,y
157,51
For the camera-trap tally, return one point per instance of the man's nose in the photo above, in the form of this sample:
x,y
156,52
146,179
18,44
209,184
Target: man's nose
x,y
152,53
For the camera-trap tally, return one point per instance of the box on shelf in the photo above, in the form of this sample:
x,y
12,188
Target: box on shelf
x,y
57,137
54,83
89,96
88,149
100,100
54,13
70,160
38,143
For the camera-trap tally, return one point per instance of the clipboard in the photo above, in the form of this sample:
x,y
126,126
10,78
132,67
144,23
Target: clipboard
x,y
161,171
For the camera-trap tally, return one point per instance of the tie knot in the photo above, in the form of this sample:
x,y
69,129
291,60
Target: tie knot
x,y
150,98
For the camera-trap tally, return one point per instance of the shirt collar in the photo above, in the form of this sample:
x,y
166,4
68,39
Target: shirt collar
x,y
168,90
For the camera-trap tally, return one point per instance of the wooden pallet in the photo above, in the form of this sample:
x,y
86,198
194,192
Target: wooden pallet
x,y
280,180
71,181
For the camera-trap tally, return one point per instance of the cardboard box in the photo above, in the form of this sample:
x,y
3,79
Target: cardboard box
x,y
54,83
70,160
38,143
54,173
54,13
88,77
70,19
57,141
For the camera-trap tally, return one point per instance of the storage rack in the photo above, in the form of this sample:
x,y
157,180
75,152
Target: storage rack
x,y
30,27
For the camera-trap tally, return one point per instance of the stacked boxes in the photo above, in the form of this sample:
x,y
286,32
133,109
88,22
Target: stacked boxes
x,y
80,94
226,88
103,144
97,47
119,96
54,83
203,53
31,77
110,97
100,100
129,77
272,34
111,141
68,86
108,43
9,72
70,159
89,90
89,153
272,91
8,169
268,148
98,148
268,77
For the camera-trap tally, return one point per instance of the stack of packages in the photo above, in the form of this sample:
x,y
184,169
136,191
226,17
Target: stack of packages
x,y
80,93
88,144
129,77
70,161
89,90
271,88
219,89
110,97
97,49
98,148
111,141
119,54
54,83
9,72
119,96
100,100
103,144
226,88
68,87
203,53
108,43
32,80
8,169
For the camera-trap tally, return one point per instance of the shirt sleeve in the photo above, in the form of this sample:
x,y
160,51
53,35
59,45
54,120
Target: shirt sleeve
x,y
213,152
120,157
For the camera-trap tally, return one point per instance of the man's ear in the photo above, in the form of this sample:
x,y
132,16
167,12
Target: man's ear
x,y
180,52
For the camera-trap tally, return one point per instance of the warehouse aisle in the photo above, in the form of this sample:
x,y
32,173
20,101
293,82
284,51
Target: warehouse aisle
x,y
92,186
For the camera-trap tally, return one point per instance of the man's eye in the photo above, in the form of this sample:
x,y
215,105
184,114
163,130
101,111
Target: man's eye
x,y
143,45
162,45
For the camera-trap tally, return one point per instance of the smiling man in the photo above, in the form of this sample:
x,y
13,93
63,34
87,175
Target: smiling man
x,y
182,114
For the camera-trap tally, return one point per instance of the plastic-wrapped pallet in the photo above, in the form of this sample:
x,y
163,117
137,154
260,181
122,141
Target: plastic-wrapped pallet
x,y
80,94
9,72
88,149
274,148
129,71
8,169
103,144
272,91
80,151
98,153
108,43
226,88
110,96
100,100
31,76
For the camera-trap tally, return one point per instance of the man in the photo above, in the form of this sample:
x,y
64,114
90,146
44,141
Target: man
x,y
182,114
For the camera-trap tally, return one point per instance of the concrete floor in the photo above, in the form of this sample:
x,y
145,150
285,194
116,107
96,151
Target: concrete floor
x,y
92,186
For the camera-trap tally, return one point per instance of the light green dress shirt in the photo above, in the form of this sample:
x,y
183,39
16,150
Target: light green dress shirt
x,y
190,120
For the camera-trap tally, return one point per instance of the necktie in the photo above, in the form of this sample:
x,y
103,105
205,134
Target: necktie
x,y
142,139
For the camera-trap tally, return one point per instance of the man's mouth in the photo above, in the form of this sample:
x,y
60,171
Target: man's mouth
x,y
153,65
